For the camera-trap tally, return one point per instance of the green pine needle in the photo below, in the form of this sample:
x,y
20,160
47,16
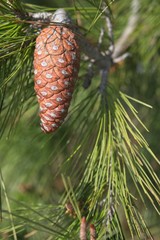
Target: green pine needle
x,y
118,150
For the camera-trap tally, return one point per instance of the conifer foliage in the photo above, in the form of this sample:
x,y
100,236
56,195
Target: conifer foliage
x,y
93,173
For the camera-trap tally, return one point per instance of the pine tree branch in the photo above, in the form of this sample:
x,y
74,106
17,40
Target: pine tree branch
x,y
110,148
109,28
123,42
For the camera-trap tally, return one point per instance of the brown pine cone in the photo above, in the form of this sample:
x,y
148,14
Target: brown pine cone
x,y
56,65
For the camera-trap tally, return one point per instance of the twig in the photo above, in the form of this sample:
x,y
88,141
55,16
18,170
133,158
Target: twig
x,y
121,58
90,72
89,75
59,16
101,59
101,35
105,70
110,215
122,43
43,16
104,78
110,31
111,211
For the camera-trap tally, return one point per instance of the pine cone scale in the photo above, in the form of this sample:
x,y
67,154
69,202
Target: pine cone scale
x,y
56,64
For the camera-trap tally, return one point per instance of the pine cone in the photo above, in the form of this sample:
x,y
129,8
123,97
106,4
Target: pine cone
x,y
56,65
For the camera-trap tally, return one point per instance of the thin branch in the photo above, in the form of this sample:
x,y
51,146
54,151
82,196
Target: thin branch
x,y
110,35
121,58
111,211
122,43
104,78
43,16
93,52
108,61
89,75
59,16
101,35
110,31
